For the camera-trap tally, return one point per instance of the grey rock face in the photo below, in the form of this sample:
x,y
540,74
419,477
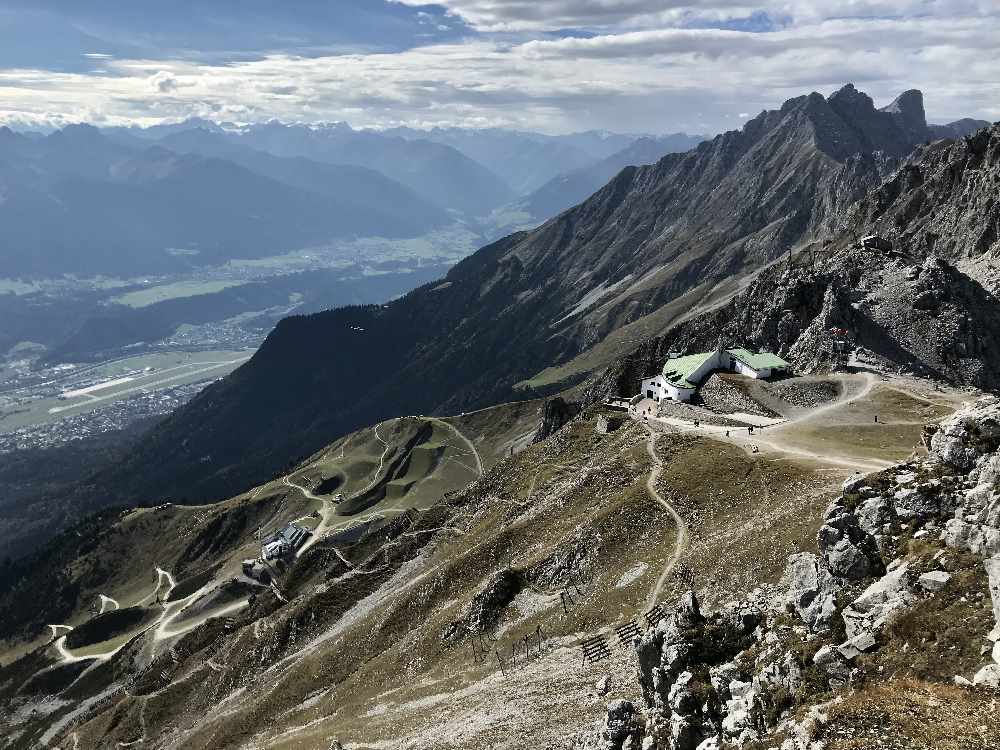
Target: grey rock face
x,y
988,676
486,606
557,413
874,513
685,711
973,433
934,580
623,725
848,550
810,590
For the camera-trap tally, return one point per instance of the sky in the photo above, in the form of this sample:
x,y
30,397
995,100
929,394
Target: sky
x,y
650,66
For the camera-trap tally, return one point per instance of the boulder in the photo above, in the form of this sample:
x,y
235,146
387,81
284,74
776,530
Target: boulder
x,y
810,590
721,677
870,611
973,432
848,550
935,580
622,724
738,709
974,537
859,644
683,700
917,503
603,685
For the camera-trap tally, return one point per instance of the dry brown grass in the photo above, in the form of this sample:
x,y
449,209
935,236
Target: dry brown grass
x,y
909,714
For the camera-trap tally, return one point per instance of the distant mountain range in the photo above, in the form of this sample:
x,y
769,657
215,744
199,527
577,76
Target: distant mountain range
x,y
656,244
525,161
163,199
78,201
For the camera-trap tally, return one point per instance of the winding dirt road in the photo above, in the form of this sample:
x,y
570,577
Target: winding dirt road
x,y
681,541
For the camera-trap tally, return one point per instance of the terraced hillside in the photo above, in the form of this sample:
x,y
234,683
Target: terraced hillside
x,y
175,553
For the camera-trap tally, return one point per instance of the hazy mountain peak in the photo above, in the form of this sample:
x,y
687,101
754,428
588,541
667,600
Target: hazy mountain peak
x,y
79,131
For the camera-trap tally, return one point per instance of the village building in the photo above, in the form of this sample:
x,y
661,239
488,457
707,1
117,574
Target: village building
x,y
284,542
681,375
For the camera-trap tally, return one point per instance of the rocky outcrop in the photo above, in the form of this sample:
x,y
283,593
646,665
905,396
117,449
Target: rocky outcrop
x,y
969,443
557,413
731,677
867,614
486,607
696,694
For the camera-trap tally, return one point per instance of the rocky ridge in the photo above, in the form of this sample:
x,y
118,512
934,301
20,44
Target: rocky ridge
x,y
766,670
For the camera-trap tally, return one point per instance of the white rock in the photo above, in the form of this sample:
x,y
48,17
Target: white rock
x,y
935,580
854,482
603,685
993,572
739,689
961,681
988,676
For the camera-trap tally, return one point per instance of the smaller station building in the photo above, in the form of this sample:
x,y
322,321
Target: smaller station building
x,y
681,375
284,542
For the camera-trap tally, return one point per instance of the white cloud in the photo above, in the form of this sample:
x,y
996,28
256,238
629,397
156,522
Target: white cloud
x,y
656,79
521,15
163,82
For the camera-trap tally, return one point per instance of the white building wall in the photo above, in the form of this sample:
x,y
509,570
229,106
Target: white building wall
x,y
742,368
651,388
679,394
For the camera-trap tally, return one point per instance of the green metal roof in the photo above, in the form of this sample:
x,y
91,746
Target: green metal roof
x,y
759,361
676,371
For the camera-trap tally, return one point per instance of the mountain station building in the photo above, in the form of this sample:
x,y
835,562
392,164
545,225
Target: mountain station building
x,y
681,375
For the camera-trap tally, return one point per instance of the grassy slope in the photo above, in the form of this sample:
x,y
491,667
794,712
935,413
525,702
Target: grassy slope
x,y
359,655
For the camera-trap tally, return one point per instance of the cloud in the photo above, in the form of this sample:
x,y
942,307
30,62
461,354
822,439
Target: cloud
x,y
524,15
658,79
163,82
